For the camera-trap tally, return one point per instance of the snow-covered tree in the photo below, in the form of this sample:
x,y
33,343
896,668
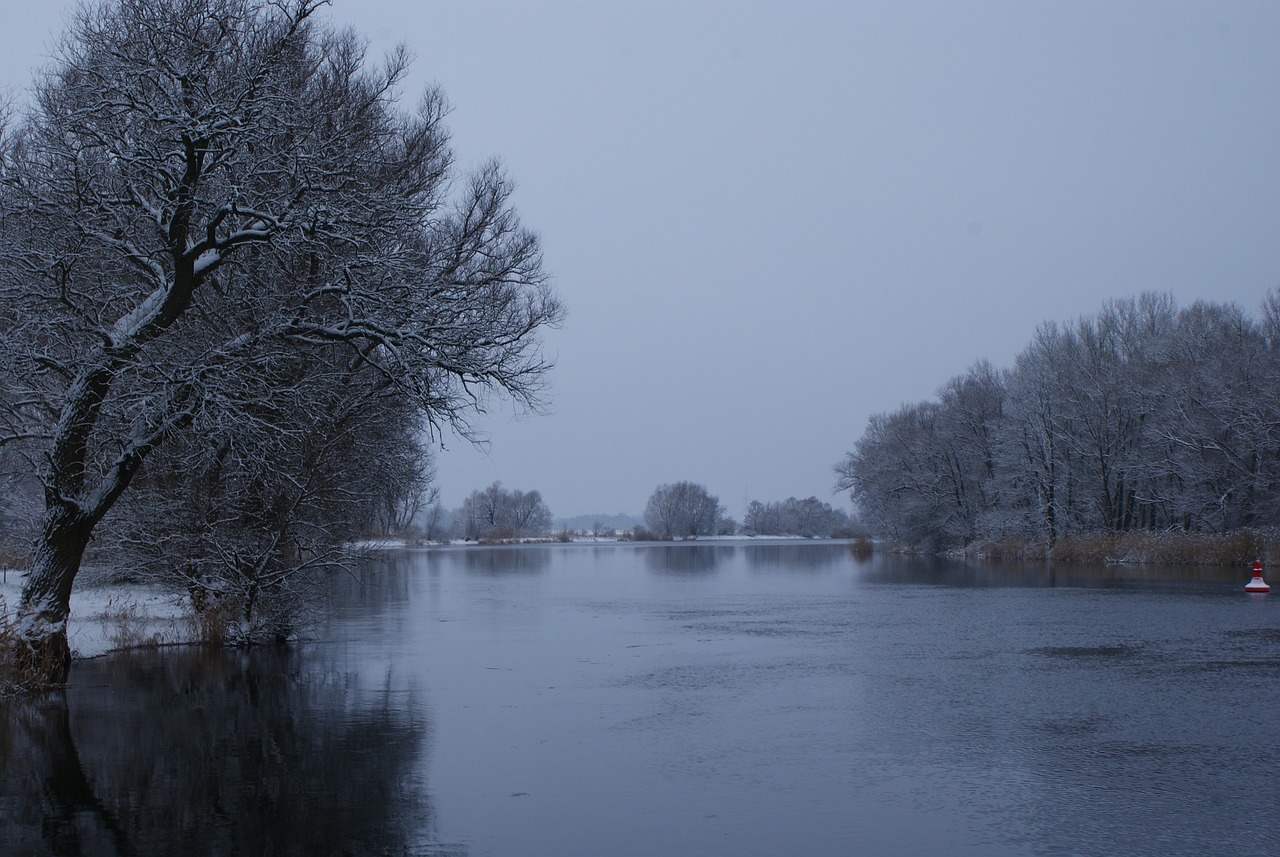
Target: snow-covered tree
x,y
1137,417
894,476
495,512
1216,429
202,190
683,509
791,517
247,521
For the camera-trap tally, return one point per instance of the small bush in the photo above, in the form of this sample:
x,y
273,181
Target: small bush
x,y
904,548
501,536
643,534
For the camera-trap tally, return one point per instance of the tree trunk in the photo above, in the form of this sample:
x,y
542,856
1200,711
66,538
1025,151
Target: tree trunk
x,y
46,596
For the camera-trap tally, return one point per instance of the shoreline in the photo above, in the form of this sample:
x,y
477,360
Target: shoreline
x,y
108,617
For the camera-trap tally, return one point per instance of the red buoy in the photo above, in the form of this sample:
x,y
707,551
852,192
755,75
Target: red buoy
x,y
1257,584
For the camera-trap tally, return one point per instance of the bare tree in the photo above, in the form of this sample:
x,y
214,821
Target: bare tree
x,y
203,188
434,521
807,518
528,513
247,521
683,509
495,512
1031,457
1216,428
1138,417
893,478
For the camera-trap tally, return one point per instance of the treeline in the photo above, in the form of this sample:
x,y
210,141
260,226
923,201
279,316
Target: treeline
x,y
677,510
1142,416
687,509
791,517
495,514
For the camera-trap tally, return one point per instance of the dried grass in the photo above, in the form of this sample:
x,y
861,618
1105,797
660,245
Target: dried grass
x,y
216,623
23,670
642,534
1007,549
1175,547
1239,548
125,626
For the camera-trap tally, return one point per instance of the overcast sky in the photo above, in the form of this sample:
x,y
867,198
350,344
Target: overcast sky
x,y
770,220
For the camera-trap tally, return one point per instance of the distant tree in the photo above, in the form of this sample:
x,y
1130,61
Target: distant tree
x,y
892,477
761,519
807,518
408,494
528,513
1137,417
1032,461
598,523
971,411
434,522
682,509
203,190
1216,421
495,512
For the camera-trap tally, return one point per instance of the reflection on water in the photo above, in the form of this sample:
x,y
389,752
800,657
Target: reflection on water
x,y
942,571
685,558
788,557
703,699
207,752
528,559
765,556
675,558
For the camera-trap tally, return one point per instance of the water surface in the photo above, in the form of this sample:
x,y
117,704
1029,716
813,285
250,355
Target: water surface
x,y
685,699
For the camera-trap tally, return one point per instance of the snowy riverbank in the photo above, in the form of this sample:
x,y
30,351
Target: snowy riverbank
x,y
105,617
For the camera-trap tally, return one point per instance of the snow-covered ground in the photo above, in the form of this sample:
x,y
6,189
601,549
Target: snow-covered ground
x,y
112,616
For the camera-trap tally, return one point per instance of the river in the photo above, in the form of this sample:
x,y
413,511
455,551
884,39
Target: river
x,y
703,699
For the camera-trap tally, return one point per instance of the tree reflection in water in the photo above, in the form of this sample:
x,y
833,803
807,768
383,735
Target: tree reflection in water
x,y
214,752
521,559
686,558
791,558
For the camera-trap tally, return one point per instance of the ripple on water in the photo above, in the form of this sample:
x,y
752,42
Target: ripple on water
x,y
1085,651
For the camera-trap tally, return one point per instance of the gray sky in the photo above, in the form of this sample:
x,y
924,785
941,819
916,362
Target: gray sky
x,y
772,219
